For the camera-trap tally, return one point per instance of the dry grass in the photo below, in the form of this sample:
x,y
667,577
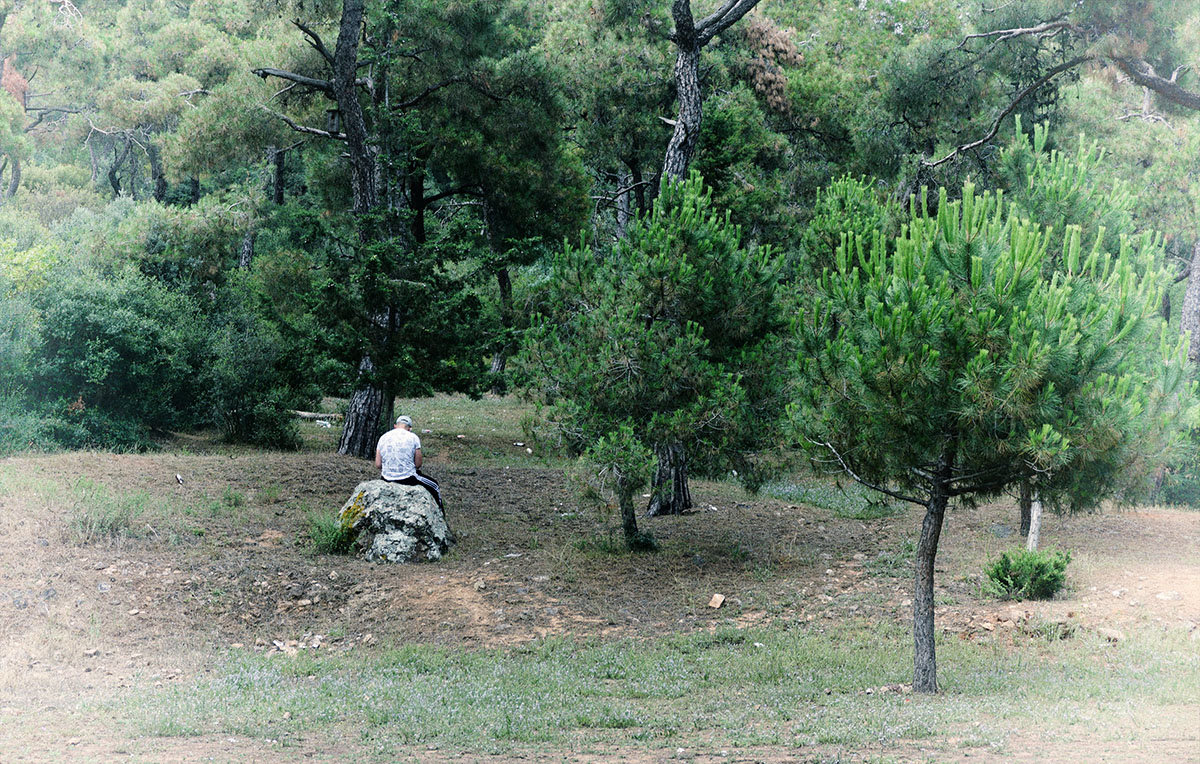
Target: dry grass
x,y
532,598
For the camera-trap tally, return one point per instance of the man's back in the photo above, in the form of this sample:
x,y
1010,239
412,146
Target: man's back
x,y
396,449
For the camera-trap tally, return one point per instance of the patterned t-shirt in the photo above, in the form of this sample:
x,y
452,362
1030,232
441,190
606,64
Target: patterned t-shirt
x,y
396,450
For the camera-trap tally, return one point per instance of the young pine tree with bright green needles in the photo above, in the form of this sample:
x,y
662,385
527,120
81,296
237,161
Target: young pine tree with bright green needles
x,y
949,363
674,337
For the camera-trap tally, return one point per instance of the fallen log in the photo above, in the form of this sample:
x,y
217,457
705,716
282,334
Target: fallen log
x,y
317,415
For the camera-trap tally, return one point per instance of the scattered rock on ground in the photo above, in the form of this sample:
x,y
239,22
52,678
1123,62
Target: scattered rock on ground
x,y
1112,635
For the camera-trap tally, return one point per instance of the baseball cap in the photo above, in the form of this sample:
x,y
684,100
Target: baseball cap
x,y
404,420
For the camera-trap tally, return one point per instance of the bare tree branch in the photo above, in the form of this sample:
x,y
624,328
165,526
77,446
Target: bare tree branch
x,y
325,86
854,476
45,111
314,40
427,92
1049,28
1054,72
282,90
303,128
1143,74
716,15
451,192
726,16
621,191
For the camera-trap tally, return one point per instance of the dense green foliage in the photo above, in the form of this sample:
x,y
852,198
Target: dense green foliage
x,y
955,342
149,143
1037,575
962,357
673,336
329,535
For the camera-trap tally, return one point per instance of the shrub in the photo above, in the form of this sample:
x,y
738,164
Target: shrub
x,y
1181,487
329,535
24,428
247,377
72,426
1028,575
118,348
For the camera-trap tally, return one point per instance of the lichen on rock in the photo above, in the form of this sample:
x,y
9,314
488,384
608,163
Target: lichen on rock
x,y
395,523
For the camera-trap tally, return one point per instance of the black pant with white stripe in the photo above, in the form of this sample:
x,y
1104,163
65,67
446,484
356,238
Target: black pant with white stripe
x,y
426,482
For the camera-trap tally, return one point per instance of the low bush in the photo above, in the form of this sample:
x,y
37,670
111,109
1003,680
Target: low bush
x,y
249,397
23,428
1028,575
1181,488
76,429
329,535
115,357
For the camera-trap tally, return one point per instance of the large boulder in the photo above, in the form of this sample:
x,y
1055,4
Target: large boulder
x,y
396,523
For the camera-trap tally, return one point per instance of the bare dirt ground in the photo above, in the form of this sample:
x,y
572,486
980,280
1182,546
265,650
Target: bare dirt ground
x,y
225,566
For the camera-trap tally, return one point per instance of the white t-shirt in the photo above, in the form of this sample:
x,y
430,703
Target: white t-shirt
x,y
396,450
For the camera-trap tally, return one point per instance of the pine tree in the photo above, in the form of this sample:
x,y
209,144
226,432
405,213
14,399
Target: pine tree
x,y
951,363
670,342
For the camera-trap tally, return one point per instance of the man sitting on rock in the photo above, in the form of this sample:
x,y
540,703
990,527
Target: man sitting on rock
x,y
398,457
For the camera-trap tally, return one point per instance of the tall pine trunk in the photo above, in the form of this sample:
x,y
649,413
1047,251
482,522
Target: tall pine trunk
x,y
669,493
246,250
14,181
924,648
1035,522
1189,317
628,514
624,203
1024,503
924,651
686,132
278,158
500,357
273,188
363,418
157,176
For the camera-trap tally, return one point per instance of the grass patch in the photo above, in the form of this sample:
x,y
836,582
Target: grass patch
x,y
270,494
779,686
894,563
613,544
232,499
849,500
95,514
328,535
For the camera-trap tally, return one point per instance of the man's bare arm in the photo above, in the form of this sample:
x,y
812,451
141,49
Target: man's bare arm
x,y
378,460
417,458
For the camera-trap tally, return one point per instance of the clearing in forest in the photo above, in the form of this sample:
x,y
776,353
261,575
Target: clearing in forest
x,y
147,620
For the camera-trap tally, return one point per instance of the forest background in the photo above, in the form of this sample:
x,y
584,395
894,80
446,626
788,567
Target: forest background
x,y
685,237
186,239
